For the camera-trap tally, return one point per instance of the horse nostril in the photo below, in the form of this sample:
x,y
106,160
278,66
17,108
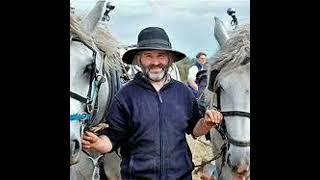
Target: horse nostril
x,y
240,168
243,168
74,147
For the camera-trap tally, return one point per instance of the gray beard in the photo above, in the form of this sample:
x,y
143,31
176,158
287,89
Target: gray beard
x,y
157,77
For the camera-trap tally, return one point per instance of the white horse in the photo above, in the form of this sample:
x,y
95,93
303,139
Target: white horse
x,y
230,81
95,70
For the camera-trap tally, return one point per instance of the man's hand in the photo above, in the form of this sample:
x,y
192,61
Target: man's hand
x,y
100,143
212,117
89,140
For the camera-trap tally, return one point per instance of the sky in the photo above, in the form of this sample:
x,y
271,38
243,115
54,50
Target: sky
x,y
188,23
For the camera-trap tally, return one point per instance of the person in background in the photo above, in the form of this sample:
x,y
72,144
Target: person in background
x,y
193,70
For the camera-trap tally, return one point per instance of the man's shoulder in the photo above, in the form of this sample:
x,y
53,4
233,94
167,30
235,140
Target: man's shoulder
x,y
179,83
127,87
183,88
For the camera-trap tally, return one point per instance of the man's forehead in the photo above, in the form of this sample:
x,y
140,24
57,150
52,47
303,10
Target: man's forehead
x,y
154,52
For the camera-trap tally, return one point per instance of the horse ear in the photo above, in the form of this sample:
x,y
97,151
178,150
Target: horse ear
x,y
220,32
91,20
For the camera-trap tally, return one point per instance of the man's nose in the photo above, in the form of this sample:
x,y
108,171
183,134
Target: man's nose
x,y
155,61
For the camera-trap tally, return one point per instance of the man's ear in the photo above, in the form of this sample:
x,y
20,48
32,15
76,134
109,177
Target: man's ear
x,y
136,60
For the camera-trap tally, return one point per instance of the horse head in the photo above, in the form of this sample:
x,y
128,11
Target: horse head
x,y
86,79
230,80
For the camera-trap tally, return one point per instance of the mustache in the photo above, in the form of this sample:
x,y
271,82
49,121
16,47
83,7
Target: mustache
x,y
162,66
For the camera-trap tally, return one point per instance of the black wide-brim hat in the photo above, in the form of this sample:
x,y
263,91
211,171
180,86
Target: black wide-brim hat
x,y
152,38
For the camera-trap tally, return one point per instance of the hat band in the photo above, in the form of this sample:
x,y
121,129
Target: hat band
x,y
148,42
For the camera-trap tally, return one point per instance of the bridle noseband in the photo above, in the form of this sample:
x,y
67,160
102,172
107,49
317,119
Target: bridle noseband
x,y
224,133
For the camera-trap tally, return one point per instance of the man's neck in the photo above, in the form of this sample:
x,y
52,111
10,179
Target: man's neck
x,y
158,85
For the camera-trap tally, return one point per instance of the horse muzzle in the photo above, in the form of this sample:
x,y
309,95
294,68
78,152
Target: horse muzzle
x,y
241,171
239,166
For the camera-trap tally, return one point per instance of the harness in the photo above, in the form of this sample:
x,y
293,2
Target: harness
x,y
91,102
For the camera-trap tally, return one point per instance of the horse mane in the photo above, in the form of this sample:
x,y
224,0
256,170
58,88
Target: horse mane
x,y
78,32
234,53
100,38
107,43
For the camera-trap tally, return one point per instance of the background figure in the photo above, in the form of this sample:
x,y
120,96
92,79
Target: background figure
x,y
194,69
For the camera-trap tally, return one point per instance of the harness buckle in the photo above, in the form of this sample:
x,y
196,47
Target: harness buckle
x,y
90,108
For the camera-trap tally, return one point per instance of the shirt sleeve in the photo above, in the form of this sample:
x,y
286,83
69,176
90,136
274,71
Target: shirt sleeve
x,y
117,119
192,72
195,116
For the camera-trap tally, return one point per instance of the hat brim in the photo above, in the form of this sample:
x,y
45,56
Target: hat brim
x,y
129,55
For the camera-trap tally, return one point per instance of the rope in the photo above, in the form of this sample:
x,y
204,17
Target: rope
x,y
207,144
203,163
98,127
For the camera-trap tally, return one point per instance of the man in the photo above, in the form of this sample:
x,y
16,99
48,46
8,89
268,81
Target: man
x,y
198,66
150,115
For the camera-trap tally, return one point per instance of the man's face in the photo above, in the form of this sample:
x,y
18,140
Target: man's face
x,y
201,59
154,64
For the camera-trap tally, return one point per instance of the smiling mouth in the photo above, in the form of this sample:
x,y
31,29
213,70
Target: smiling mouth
x,y
155,70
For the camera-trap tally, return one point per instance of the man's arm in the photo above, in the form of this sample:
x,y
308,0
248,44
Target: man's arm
x,y
111,137
193,84
210,119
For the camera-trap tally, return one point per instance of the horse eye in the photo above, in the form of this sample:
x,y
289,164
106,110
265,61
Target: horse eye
x,y
88,68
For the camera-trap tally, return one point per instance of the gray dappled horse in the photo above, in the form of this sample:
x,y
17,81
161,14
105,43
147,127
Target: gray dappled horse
x,y
229,79
95,71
